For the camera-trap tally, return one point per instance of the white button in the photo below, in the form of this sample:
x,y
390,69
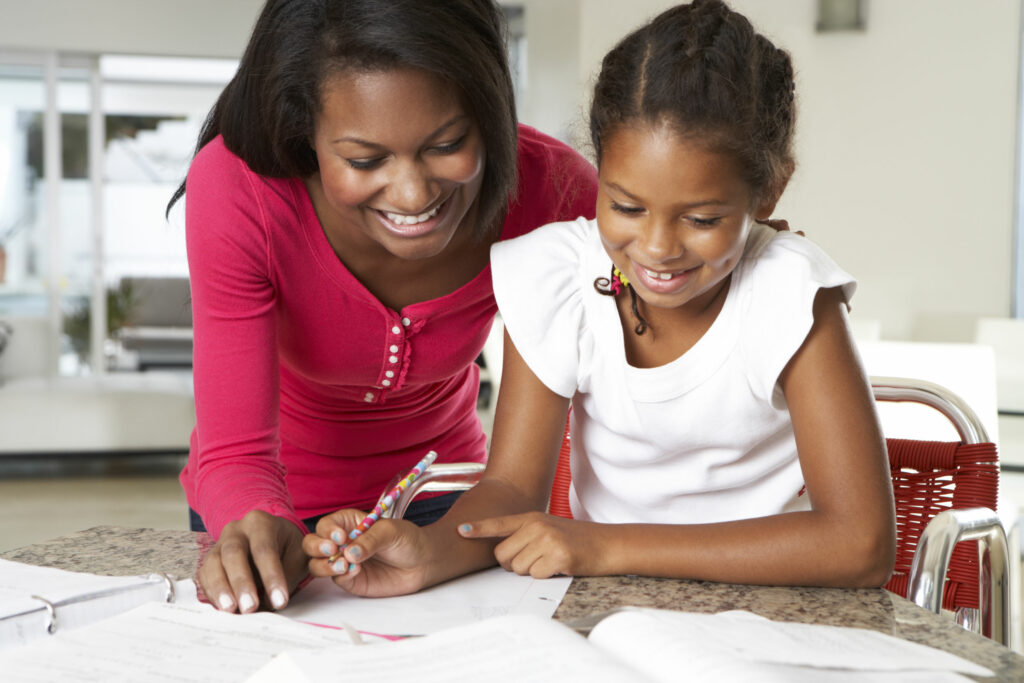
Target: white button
x,y
386,383
393,359
369,396
406,321
393,349
396,329
389,373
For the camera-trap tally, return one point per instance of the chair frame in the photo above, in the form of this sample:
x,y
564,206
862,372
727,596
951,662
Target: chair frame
x,y
935,545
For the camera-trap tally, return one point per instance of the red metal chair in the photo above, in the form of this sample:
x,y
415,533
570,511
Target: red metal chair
x,y
945,493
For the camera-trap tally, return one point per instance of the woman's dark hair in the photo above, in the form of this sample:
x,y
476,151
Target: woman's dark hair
x,y
267,112
702,69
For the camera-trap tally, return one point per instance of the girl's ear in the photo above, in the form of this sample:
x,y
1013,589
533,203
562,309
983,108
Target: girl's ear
x,y
767,206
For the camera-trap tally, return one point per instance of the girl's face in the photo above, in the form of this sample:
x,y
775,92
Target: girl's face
x,y
673,216
401,161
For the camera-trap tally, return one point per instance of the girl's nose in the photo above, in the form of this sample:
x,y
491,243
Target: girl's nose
x,y
410,188
660,242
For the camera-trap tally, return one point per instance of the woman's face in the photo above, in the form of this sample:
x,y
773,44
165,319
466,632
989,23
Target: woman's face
x,y
401,160
673,215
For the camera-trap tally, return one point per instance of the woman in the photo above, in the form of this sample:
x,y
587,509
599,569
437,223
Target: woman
x,y
340,210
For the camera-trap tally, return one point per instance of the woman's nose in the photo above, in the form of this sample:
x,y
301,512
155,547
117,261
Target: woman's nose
x,y
411,189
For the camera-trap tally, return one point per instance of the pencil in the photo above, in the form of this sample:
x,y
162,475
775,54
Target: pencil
x,y
386,502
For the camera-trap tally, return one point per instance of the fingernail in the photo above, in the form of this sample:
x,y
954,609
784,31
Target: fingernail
x,y
246,602
340,566
277,598
465,528
225,601
336,537
326,548
355,551
351,567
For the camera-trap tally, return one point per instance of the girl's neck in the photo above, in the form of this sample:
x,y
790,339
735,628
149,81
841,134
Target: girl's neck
x,y
671,332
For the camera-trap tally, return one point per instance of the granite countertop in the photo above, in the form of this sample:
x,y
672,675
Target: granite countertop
x,y
122,551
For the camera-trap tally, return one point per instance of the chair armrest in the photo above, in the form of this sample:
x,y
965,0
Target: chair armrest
x,y
446,477
933,553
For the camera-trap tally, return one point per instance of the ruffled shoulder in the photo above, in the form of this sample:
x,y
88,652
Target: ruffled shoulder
x,y
537,287
778,279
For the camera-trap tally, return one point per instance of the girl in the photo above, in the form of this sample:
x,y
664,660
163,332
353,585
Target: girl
x,y
723,428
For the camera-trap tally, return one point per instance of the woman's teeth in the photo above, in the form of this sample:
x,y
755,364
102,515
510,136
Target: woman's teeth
x,y
402,219
658,276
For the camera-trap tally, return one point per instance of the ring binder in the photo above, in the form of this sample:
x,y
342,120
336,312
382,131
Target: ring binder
x,y
54,600
51,614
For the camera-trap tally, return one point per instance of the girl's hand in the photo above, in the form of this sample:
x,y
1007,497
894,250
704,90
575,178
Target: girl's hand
x,y
779,224
543,545
388,559
272,546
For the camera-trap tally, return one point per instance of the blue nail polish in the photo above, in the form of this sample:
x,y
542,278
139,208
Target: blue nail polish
x,y
326,548
339,567
351,567
355,551
336,537
465,528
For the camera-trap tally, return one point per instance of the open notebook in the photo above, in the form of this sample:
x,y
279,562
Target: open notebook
x,y
632,645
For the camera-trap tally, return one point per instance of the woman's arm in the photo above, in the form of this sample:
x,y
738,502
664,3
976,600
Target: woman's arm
x,y
846,539
395,557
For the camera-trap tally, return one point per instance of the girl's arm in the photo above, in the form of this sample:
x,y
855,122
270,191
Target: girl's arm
x,y
846,539
396,557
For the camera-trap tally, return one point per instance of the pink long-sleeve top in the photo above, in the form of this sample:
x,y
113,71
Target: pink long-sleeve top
x,y
310,393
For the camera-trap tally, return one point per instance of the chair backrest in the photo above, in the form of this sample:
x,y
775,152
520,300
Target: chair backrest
x,y
931,476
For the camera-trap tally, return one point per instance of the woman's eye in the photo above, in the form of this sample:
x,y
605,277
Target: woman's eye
x,y
364,164
450,147
626,210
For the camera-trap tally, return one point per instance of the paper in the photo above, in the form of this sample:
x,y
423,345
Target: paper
x,y
749,647
164,642
657,646
520,648
488,593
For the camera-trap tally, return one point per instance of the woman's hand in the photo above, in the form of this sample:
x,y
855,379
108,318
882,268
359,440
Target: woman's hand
x,y
390,558
543,545
272,546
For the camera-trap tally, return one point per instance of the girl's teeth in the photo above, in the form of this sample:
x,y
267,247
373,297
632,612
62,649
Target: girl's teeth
x,y
658,276
402,219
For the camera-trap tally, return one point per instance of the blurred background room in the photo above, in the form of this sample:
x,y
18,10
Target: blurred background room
x,y
908,149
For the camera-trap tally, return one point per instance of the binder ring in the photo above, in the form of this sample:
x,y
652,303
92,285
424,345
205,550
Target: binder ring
x,y
170,586
51,614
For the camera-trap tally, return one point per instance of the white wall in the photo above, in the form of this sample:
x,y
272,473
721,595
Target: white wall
x,y
197,28
906,148
906,140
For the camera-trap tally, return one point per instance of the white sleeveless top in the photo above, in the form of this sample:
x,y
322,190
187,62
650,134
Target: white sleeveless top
x,y
705,438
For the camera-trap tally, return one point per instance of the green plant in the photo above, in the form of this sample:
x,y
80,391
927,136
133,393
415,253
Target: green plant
x,y
122,302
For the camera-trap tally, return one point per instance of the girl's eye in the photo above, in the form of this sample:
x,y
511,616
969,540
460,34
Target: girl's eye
x,y
450,147
705,222
364,164
626,210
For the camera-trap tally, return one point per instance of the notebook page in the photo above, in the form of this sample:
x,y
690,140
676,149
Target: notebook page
x,y
488,593
507,649
710,643
162,642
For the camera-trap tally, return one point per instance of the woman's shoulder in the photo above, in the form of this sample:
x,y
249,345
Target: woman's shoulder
x,y
556,183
